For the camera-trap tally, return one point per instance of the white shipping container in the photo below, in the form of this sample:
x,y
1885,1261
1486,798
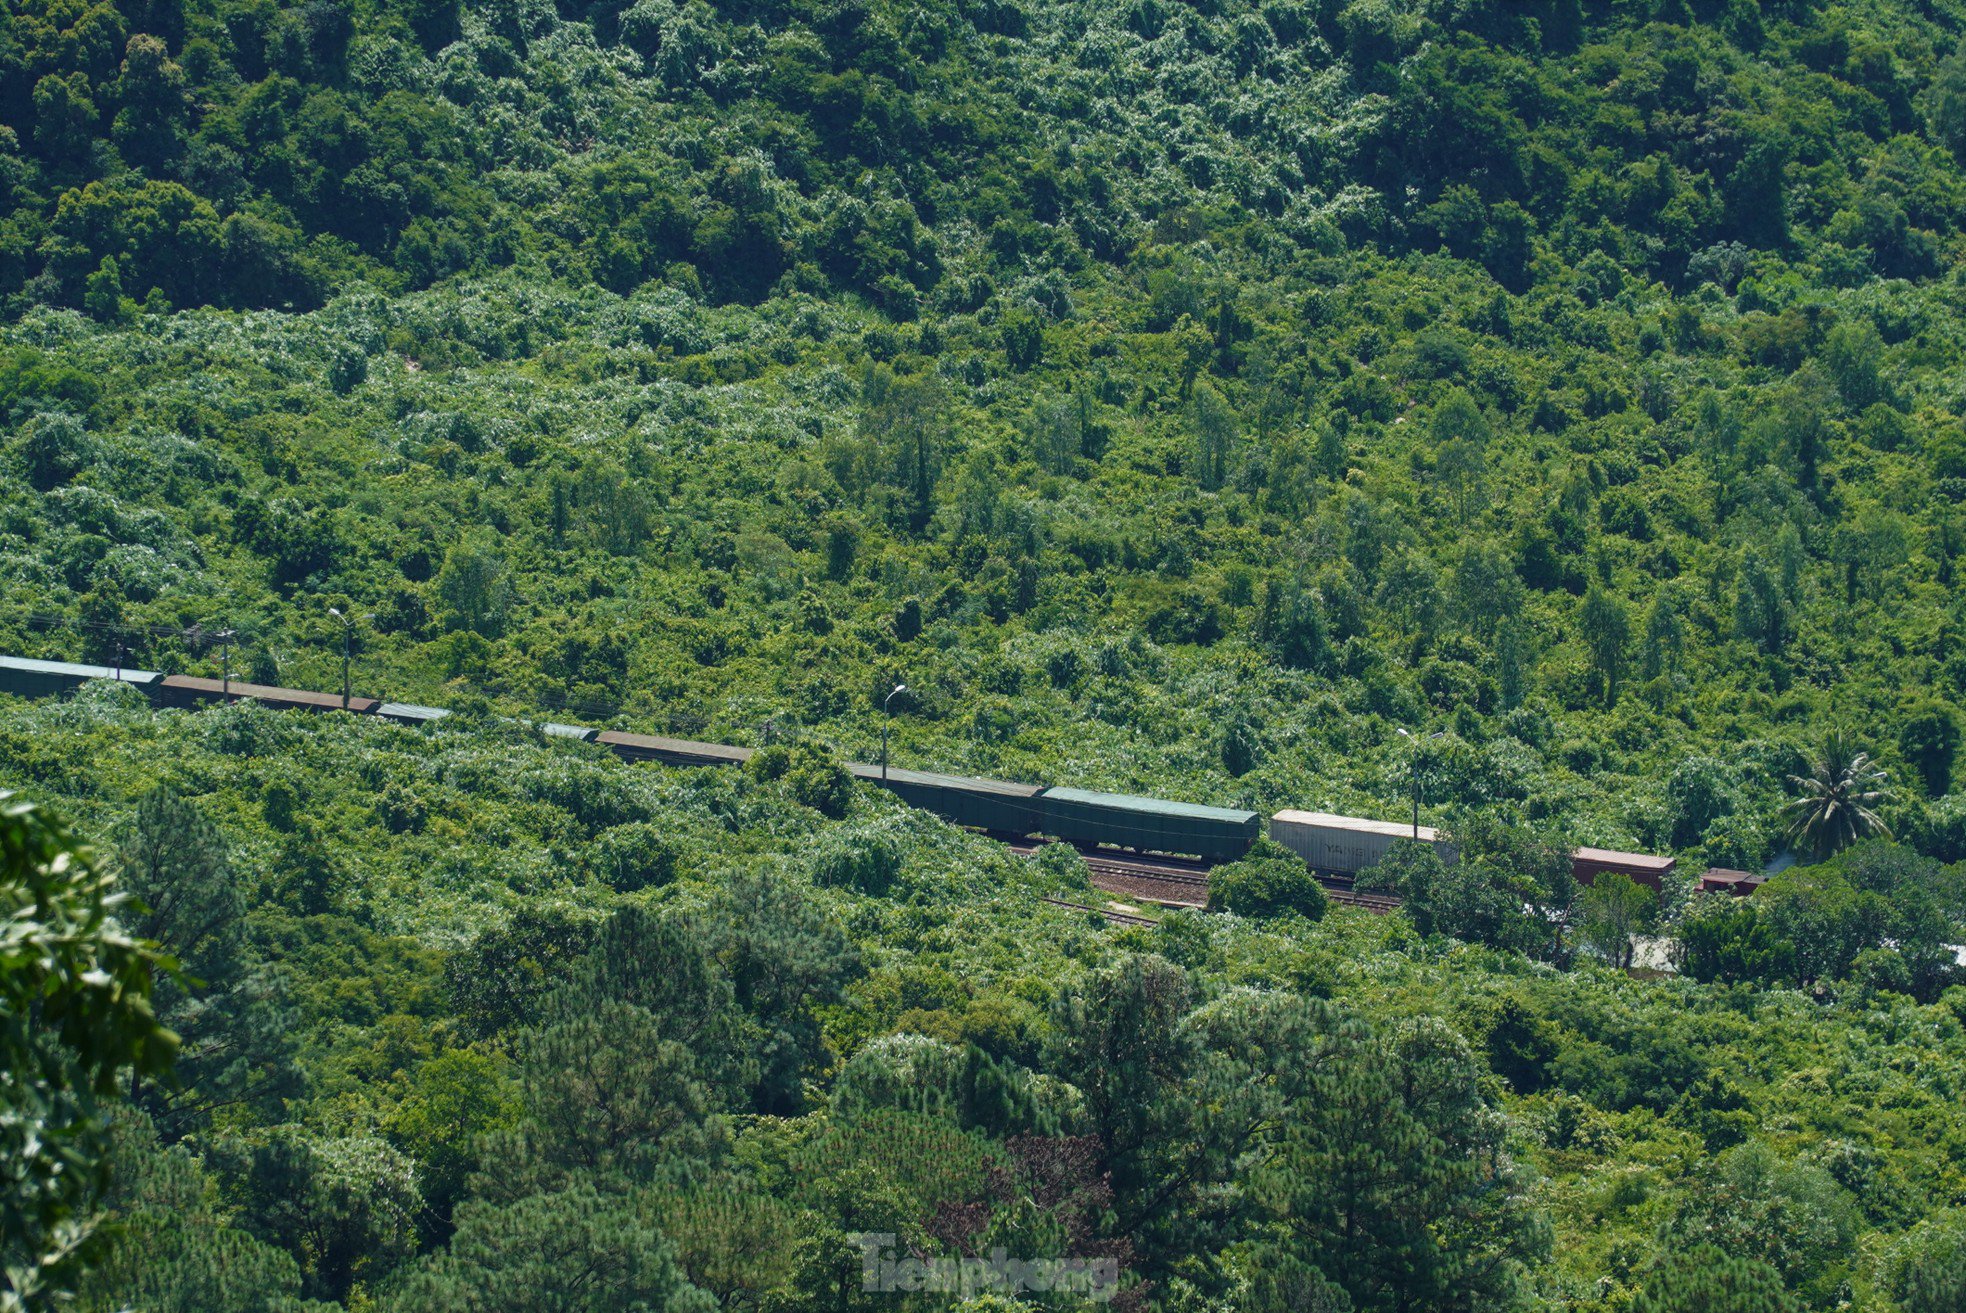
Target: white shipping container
x,y
1345,845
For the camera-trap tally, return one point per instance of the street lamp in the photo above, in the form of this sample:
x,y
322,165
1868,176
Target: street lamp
x,y
347,648
885,717
225,637
1406,734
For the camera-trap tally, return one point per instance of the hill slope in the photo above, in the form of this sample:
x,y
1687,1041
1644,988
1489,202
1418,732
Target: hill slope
x,y
1175,397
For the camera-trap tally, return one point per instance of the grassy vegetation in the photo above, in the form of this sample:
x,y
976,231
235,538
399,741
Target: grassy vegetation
x,y
1178,399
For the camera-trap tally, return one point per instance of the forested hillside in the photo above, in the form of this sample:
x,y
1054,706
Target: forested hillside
x,y
1173,397
1183,398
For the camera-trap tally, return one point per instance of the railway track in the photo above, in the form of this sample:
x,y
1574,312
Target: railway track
x,y
1377,904
1117,918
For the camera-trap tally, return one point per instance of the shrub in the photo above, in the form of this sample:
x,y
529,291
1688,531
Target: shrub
x,y
631,857
1266,885
864,863
817,781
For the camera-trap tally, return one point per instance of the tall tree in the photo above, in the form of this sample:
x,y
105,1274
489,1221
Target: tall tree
x,y
1946,102
905,417
1837,797
1613,912
784,958
609,1100
1665,638
1606,629
1761,608
1929,740
572,1251
1214,425
228,1007
1708,1279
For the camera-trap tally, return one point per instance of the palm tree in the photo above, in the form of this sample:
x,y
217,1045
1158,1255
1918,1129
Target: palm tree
x,y
1837,799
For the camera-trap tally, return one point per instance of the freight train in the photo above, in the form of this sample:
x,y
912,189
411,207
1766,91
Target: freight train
x,y
1348,845
1339,846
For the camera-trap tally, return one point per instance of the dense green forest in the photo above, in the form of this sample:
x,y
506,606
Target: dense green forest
x,y
1179,398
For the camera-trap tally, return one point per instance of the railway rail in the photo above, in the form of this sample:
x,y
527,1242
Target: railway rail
x,y
1116,917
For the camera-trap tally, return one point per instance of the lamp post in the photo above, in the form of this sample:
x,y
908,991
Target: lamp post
x,y
347,648
225,637
885,717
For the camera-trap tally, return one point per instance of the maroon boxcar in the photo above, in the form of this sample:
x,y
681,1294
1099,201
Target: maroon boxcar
x,y
1586,864
184,690
1727,880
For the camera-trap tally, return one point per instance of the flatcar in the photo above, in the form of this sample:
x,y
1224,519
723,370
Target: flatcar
x,y
188,690
29,678
996,805
1145,825
674,752
1345,845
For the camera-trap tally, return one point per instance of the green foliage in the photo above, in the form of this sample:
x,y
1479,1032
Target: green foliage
x,y
1176,398
496,982
78,1017
1927,1272
633,857
1266,884
1838,798
1508,887
227,1007
1708,1279
1929,740
942,1066
575,1249
1612,912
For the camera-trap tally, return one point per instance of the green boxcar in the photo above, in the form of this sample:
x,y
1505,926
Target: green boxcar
x,y
1149,824
997,805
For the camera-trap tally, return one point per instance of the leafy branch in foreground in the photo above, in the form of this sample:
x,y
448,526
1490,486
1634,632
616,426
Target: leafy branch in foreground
x,y
74,1016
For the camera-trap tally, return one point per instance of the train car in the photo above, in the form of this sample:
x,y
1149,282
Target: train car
x,y
997,805
1586,864
29,678
578,733
188,690
1346,845
1726,880
1149,824
673,752
409,713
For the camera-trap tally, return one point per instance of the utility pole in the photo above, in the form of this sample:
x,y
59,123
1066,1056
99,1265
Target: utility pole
x,y
886,716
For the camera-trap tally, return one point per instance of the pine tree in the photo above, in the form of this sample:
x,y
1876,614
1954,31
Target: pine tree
x,y
1707,1279
229,1008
